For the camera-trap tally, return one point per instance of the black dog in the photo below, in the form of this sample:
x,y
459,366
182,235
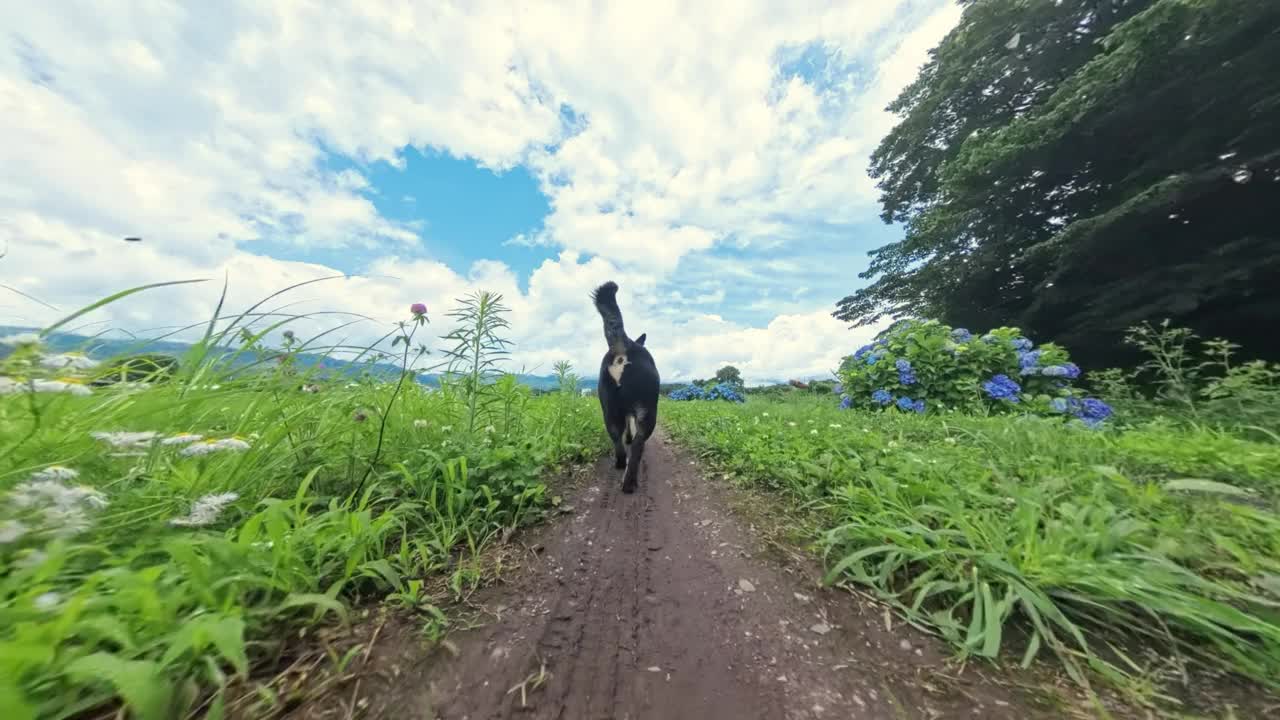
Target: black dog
x,y
628,387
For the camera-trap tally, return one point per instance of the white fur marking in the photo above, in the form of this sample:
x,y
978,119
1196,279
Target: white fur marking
x,y
616,367
631,426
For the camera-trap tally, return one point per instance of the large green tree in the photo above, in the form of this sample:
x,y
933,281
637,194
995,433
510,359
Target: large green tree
x,y
1077,166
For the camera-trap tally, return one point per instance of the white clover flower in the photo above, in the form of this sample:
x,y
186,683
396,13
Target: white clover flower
x,y
205,510
421,423
446,428
126,439
11,531
47,601
205,447
62,385
182,439
835,425
764,414
20,339
55,472
489,428
813,432
68,361
792,424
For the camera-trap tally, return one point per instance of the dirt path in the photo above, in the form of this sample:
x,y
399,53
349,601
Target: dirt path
x,y
662,605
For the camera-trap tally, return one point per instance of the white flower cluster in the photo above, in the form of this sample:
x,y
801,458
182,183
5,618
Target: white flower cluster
x,y
50,504
206,510
205,447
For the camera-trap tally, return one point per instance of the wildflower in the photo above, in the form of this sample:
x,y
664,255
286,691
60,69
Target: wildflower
x,y
905,404
418,309
20,339
1001,387
961,335
764,414
835,426
813,432
11,531
62,509
791,424
288,335
489,428
68,361
70,386
47,601
231,444
55,472
182,439
126,439
906,375
881,397
206,510
421,423
446,428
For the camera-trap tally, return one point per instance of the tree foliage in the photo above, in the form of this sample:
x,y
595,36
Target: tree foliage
x,y
730,375
1076,167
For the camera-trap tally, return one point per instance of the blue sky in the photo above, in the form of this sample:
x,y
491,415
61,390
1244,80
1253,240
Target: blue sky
x,y
711,159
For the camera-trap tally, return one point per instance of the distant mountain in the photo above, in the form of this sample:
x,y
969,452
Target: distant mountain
x,y
100,348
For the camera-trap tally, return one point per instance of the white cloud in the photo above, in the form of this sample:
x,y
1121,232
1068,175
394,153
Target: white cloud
x,y
201,129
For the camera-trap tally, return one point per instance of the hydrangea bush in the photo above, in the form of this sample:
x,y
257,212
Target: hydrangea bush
x,y
917,366
719,391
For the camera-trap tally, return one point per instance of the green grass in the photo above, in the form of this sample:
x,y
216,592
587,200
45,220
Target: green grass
x,y
355,492
1085,543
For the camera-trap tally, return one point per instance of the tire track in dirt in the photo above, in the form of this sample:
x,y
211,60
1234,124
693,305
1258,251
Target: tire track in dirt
x,y
660,605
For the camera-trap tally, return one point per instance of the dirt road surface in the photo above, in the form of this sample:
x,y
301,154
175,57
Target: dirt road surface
x,y
663,605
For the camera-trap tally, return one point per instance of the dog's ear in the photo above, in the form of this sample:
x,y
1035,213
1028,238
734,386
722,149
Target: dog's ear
x,y
640,340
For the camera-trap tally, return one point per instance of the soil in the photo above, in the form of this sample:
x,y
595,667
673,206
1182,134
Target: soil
x,y
663,604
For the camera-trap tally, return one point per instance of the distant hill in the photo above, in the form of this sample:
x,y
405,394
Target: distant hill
x,y
100,348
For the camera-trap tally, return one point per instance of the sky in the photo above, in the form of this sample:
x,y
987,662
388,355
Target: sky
x,y
710,157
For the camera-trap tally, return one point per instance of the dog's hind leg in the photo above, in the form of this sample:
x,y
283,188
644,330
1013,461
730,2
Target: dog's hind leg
x,y
619,452
640,433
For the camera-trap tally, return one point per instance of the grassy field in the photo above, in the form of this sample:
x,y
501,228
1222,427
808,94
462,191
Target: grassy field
x,y
154,539
1158,535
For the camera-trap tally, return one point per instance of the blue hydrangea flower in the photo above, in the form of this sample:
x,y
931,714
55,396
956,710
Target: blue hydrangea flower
x,y
990,339
872,359
881,397
906,404
846,402
862,351
1027,362
906,375
1073,370
961,335
838,389
1001,387
1094,409
1056,371
724,391
688,392
918,406
1022,344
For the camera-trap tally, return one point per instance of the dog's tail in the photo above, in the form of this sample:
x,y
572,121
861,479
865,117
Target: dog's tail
x,y
606,300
